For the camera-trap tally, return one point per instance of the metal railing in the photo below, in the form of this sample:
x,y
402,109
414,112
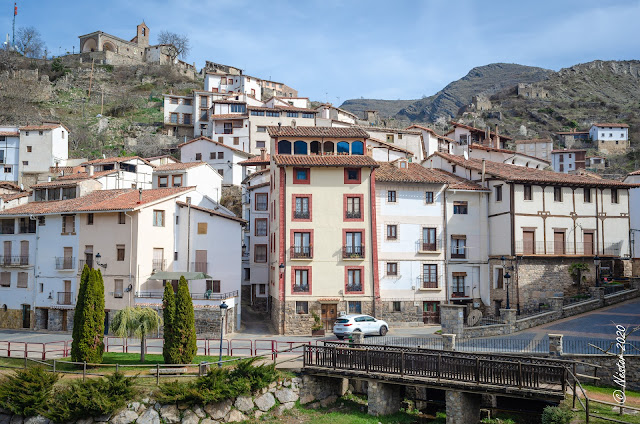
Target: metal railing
x,y
429,245
65,262
302,252
353,252
199,266
566,248
354,288
353,214
301,214
82,262
301,288
65,298
426,283
27,229
159,264
19,260
459,292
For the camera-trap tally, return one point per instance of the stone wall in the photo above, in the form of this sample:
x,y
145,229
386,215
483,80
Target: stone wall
x,y
608,366
620,296
408,314
207,321
11,318
452,319
535,320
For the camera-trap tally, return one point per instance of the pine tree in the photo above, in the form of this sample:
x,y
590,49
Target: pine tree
x,y
168,315
80,336
184,327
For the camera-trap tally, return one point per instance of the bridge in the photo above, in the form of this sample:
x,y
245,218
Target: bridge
x,y
465,377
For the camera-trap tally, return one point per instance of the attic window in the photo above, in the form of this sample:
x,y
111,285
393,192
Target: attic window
x,y
403,164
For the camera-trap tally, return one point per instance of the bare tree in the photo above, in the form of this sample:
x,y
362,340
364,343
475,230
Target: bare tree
x,y
29,42
179,42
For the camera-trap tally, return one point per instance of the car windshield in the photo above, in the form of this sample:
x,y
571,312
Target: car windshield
x,y
342,321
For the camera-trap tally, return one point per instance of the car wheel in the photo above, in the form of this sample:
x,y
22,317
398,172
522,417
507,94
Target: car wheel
x,y
340,337
383,330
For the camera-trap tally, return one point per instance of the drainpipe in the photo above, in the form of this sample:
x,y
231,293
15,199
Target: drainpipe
x,y
188,231
484,168
35,262
444,243
130,253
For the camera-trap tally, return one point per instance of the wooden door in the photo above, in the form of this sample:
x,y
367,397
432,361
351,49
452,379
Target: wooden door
x,y
328,315
24,252
68,258
529,243
26,316
431,312
588,243
429,239
88,256
201,261
7,252
558,243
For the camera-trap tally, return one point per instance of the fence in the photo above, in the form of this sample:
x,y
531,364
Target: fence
x,y
506,345
587,346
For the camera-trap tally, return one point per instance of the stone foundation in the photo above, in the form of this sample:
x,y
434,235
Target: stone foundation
x,y
383,399
11,318
408,312
463,408
207,321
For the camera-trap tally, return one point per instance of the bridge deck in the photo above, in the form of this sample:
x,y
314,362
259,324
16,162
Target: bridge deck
x,y
515,377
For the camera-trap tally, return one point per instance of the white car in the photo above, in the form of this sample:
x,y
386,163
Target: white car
x,y
347,324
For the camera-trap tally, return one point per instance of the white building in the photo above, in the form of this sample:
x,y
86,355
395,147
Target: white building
x,y
406,139
41,147
540,148
609,132
466,134
224,159
479,151
328,113
382,151
434,142
200,175
10,153
634,214
568,160
228,83
123,172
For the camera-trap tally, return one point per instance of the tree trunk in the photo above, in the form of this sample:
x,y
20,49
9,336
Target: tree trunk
x,y
142,346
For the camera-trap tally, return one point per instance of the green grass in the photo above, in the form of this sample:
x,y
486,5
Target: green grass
x,y
607,411
609,391
347,411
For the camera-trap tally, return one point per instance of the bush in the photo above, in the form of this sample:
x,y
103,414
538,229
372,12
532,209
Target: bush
x,y
90,398
220,384
184,326
556,415
26,391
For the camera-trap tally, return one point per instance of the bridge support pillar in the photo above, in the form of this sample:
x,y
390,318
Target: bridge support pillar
x,y
384,399
555,344
463,408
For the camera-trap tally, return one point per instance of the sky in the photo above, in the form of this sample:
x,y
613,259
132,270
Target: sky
x,y
333,50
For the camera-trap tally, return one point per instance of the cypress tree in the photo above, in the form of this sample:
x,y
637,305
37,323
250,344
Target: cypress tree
x,y
80,336
98,292
168,315
184,326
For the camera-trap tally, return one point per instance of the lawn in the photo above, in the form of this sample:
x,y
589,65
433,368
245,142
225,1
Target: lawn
x,y
606,394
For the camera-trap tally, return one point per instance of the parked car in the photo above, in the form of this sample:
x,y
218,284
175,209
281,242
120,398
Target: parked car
x,y
347,324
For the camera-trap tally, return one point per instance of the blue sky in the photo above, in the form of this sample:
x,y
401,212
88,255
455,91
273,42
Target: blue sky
x,y
334,50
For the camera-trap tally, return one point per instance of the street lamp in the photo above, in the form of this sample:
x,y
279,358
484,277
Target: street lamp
x,y
223,312
503,260
507,276
596,262
98,256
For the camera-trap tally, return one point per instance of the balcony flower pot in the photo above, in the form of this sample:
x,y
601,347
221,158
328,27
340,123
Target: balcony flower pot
x,y
317,329
317,332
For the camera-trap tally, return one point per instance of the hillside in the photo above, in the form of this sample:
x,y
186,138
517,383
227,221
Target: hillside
x,y
386,108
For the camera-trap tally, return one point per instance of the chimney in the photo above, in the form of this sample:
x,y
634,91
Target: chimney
x,y
484,165
497,137
140,195
90,171
293,123
263,153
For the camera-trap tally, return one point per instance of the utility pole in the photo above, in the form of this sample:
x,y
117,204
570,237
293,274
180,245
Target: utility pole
x,y
15,12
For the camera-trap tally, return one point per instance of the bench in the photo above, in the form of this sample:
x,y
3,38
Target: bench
x,y
168,371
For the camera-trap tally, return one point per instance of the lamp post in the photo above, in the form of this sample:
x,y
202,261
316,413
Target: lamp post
x,y
507,276
98,256
596,262
223,312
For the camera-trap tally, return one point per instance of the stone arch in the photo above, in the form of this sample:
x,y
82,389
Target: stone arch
x,y
299,148
314,148
284,147
89,45
357,148
328,147
107,46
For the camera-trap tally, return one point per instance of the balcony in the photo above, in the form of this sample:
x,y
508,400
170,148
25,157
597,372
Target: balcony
x,y
353,252
65,298
353,214
194,295
301,288
11,261
460,292
354,288
426,283
199,266
159,264
301,252
552,248
301,214
27,229
65,263
429,246
82,262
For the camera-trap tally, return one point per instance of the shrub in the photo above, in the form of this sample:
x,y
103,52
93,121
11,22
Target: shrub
x,y
90,398
26,391
88,320
168,315
184,326
556,415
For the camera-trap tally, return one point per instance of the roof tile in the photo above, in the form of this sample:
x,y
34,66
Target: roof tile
x,y
356,161
317,132
414,173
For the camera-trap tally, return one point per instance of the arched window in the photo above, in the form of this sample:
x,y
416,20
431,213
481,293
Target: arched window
x,y
299,148
328,147
284,147
357,148
315,148
343,147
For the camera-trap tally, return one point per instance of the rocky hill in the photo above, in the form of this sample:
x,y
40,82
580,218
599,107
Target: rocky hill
x,y
386,108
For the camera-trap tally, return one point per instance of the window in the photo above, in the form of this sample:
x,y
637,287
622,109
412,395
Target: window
x,y
40,132
213,286
396,306
354,280
202,228
260,253
158,218
23,279
262,289
429,276
272,113
198,156
29,149
68,224
353,247
236,141
499,284
220,155
261,227
118,288
389,138
187,102
27,133
307,115
458,289
352,176
392,268
212,155
163,181
292,114
392,232
247,274
302,308
261,129
353,210
561,159
25,162
121,218
587,195
301,280
527,192
68,193
238,108
5,279
260,144
302,209
614,195
458,247
429,243
262,202
177,180
557,194
301,175
41,221
498,190
7,170
120,252
54,194
428,196
203,101
354,307
174,118
391,196
257,113
460,208
221,172
8,226
27,225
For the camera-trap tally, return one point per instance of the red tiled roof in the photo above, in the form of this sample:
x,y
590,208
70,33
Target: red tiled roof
x,y
258,186
568,150
470,128
355,161
177,166
387,130
429,130
213,212
391,146
254,161
97,201
522,174
84,175
228,116
9,134
571,132
334,132
240,152
534,140
414,173
42,127
510,152
114,160
7,197
611,124
10,185
634,172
